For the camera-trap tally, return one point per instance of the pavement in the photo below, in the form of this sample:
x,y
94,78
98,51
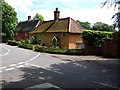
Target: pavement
x,y
21,68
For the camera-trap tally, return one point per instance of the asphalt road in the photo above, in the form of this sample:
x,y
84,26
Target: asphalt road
x,y
21,68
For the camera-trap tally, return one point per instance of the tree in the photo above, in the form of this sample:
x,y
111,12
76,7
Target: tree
x,y
9,20
38,16
102,27
86,25
116,16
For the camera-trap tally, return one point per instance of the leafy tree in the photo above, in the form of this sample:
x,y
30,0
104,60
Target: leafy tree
x,y
9,20
38,16
102,27
116,16
86,25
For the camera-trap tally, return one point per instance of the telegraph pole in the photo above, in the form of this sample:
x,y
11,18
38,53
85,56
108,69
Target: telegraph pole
x,y
119,16
118,28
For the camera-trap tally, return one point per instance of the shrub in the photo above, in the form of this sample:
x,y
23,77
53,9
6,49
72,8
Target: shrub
x,y
12,42
60,51
24,44
95,38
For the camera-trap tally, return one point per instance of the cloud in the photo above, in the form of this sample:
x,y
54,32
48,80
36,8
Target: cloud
x,y
21,6
83,10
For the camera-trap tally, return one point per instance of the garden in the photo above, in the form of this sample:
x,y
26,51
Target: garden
x,y
91,37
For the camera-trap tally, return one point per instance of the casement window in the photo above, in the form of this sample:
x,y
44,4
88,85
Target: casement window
x,y
63,34
80,45
26,34
16,33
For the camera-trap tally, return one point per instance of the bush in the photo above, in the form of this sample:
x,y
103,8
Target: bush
x,y
75,52
24,44
95,38
12,42
60,51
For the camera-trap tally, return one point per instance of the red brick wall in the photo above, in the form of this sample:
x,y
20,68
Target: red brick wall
x,y
20,36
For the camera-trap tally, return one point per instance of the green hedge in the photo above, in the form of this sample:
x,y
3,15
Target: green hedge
x,y
60,51
12,42
24,44
95,38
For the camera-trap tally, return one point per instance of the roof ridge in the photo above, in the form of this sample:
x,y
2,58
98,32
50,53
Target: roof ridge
x,y
29,20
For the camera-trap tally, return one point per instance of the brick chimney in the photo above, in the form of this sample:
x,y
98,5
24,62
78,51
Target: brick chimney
x,y
29,18
56,14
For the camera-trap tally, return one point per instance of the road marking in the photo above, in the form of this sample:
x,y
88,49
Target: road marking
x,y
9,69
6,52
21,63
26,63
20,66
0,71
33,58
34,65
46,68
3,67
12,65
106,84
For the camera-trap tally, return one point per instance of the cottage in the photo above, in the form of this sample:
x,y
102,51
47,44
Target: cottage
x,y
60,32
24,27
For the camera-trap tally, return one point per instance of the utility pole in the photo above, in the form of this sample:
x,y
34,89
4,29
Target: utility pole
x,y
118,16
118,51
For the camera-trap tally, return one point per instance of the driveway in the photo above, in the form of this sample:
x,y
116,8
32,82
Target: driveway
x,y
21,68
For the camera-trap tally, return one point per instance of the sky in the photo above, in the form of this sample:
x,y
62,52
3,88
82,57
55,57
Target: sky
x,y
83,10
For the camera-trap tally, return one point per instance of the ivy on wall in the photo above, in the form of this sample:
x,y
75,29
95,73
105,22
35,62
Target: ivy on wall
x,y
95,38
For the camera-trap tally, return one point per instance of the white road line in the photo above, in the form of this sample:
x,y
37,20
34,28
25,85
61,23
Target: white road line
x,y
34,65
6,52
3,67
20,66
33,58
106,84
46,68
12,65
54,71
9,69
21,63
24,63
0,71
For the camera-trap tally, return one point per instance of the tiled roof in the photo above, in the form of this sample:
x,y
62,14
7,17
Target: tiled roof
x,y
26,26
62,25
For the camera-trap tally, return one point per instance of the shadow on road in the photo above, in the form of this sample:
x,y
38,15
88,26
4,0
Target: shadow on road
x,y
82,74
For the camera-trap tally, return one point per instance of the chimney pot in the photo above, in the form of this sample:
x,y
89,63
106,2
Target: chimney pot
x,y
56,14
29,18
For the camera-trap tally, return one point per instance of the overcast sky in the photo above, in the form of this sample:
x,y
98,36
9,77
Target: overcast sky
x,y
83,10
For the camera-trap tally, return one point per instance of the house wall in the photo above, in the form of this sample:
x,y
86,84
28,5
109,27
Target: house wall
x,y
73,38
67,41
20,36
46,39
63,41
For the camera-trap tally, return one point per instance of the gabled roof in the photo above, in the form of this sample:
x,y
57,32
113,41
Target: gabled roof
x,y
62,25
27,26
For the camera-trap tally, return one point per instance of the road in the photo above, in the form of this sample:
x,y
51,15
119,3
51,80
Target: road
x,y
22,68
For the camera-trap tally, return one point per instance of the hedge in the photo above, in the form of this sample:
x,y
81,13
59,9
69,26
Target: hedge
x,y
25,45
60,51
12,42
95,38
